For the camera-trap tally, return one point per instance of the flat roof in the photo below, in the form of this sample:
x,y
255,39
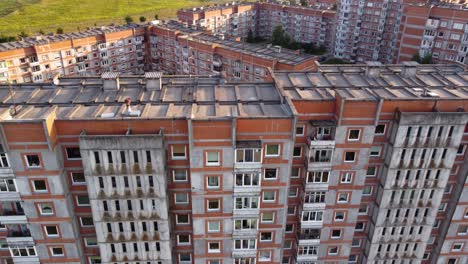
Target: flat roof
x,y
196,97
374,82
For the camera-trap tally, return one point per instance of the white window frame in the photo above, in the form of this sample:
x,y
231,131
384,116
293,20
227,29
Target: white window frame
x,y
379,152
263,220
339,195
217,163
300,154
40,208
184,243
349,161
66,150
384,130
346,177
336,237
268,201
185,261
303,130
77,182
214,250
264,259
252,175
312,216
457,244
213,209
174,175
182,223
252,223
333,254
39,191
354,139
254,150
360,229
339,220
270,179
85,239
49,235
272,155
249,244
371,190
312,175
250,200
81,222
178,202
208,181
179,157
51,250
266,240
214,230
32,166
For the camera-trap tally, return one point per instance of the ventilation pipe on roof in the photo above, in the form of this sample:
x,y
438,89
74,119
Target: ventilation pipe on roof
x,y
409,69
110,80
373,69
153,80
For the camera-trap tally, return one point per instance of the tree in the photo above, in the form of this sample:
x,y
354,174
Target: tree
x,y
277,38
41,32
304,3
59,30
427,59
250,37
128,19
4,39
142,19
23,35
156,17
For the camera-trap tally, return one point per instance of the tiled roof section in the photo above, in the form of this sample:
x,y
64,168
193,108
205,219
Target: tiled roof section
x,y
109,75
153,75
180,97
46,39
374,82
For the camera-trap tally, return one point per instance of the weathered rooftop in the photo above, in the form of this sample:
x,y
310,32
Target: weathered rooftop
x,y
201,97
374,81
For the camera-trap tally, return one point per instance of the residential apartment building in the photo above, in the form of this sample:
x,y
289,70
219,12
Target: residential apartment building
x,y
38,59
304,24
177,49
349,164
440,30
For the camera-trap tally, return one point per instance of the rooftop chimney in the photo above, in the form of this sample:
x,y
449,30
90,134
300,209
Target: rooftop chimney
x,y
409,69
111,80
153,80
373,69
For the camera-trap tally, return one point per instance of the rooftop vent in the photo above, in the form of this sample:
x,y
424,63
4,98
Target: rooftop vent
x,y
373,69
153,80
409,69
277,48
111,80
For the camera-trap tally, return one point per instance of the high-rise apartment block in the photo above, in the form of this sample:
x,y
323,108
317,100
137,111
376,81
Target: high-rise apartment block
x,y
348,164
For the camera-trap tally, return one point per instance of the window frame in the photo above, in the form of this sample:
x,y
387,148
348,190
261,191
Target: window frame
x,y
77,182
345,156
46,184
209,200
178,236
178,157
78,202
174,175
180,193
275,154
68,153
218,186
182,223
216,250
213,230
29,166
46,232
268,201
212,164
358,135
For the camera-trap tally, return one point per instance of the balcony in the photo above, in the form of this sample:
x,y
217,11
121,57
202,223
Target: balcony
x,y
12,217
248,155
8,190
19,236
309,237
319,158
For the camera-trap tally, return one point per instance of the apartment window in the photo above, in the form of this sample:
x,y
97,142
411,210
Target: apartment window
x,y
297,152
292,192
289,228
97,158
212,182
86,221
333,250
270,174
343,197
246,202
245,224
340,216
308,251
244,244
40,185
354,134
90,241
300,130
442,207
318,177
461,150
287,244
456,247
216,261
46,208
78,178
363,209
264,255
375,151
179,175
360,226
73,153
3,158
183,239
367,190
181,198
295,172
314,197
248,155
82,200
268,217
266,236
356,243
179,152
347,177
213,205
312,216
336,233
214,226
352,259
247,179
462,230
182,219
371,171
33,161
214,247
212,158
452,261
350,156
51,231
185,258
272,150
269,196
57,252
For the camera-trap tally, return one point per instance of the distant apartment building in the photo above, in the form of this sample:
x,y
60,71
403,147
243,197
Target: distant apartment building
x,y
304,24
179,50
440,31
349,164
39,59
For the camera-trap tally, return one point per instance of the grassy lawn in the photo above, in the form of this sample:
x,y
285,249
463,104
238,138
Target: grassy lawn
x,y
31,16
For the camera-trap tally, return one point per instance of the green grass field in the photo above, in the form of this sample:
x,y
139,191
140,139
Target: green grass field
x,y
31,16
